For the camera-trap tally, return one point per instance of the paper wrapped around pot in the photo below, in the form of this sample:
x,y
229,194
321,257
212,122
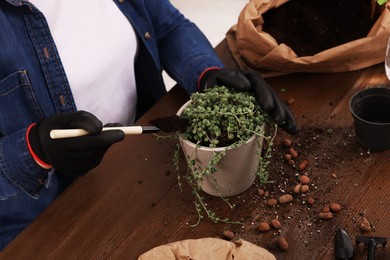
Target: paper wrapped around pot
x,y
253,48
208,248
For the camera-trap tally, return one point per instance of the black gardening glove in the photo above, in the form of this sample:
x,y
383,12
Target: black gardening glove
x,y
72,156
251,81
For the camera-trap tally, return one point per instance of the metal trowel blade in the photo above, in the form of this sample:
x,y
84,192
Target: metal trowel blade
x,y
344,247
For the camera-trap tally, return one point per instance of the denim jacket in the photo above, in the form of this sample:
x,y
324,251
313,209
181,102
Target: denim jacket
x,y
33,85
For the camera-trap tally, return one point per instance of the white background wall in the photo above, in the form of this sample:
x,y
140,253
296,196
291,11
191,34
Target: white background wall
x,y
213,17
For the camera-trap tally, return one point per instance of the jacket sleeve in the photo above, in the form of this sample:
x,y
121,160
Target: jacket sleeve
x,y
184,50
18,170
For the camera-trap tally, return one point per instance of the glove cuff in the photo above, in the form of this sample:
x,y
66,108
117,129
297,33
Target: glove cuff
x,y
200,80
38,160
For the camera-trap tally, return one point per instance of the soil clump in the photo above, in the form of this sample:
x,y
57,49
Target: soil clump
x,y
170,124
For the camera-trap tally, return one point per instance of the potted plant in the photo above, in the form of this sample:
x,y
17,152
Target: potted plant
x,y
224,145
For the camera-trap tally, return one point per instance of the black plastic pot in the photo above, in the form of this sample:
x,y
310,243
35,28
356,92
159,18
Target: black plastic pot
x,y
370,109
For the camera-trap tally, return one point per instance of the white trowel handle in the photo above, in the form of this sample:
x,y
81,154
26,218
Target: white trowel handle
x,y
128,130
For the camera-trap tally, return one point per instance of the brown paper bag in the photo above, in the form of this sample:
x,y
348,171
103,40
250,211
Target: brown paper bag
x,y
206,249
255,49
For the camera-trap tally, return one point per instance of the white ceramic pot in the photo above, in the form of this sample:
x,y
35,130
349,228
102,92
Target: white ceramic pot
x,y
236,171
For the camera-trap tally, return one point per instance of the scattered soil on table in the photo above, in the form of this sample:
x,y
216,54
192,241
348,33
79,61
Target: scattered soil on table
x,y
325,148
311,26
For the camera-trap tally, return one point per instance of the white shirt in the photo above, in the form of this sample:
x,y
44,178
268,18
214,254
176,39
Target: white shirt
x,y
97,46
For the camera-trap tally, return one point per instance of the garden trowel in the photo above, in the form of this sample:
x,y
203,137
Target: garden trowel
x,y
343,243
167,124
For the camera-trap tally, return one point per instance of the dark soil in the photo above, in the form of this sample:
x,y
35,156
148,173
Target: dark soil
x,y
311,26
170,124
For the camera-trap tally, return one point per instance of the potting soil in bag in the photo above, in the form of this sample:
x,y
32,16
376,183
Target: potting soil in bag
x,y
309,36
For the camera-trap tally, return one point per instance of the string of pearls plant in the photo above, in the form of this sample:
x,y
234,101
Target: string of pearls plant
x,y
220,117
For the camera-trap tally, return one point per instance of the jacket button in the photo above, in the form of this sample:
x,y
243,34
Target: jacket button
x,y
121,1
147,35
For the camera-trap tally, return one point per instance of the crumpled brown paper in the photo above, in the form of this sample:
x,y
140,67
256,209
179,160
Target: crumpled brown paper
x,y
206,249
255,49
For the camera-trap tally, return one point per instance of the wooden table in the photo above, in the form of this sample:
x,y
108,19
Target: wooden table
x,y
131,202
